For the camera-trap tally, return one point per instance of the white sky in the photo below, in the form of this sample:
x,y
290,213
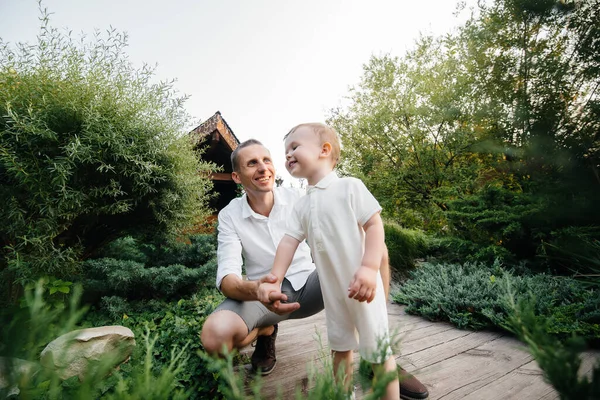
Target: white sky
x,y
267,65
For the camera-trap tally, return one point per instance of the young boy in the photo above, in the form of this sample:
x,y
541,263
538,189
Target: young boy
x,y
340,220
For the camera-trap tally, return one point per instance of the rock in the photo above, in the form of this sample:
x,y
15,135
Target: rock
x,y
72,353
12,371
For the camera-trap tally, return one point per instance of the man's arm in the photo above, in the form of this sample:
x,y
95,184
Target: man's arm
x,y
236,288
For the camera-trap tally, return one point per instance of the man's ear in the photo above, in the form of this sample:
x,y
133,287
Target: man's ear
x,y
326,149
236,177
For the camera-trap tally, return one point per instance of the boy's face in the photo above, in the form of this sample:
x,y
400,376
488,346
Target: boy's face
x,y
256,172
303,152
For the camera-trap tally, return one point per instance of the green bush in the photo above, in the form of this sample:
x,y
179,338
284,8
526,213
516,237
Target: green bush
x,y
142,270
404,246
559,359
91,149
471,296
27,330
132,280
175,324
201,249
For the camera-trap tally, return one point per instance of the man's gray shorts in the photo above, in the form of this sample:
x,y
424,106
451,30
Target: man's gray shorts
x,y
256,315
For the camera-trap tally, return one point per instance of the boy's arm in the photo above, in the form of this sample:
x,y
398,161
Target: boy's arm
x,y
270,293
364,283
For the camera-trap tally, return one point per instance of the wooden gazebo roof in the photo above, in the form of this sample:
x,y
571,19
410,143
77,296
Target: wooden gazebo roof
x,y
219,141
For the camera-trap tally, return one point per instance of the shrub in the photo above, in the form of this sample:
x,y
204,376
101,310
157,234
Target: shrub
x,y
201,249
107,276
91,149
559,360
150,270
27,330
470,295
404,246
175,325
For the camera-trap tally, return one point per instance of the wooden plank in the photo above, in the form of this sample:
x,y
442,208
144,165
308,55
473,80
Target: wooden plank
x,y
221,176
458,376
588,360
452,363
434,354
526,382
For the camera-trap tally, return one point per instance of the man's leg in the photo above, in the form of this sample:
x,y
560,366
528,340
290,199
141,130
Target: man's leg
x,y
384,270
236,324
226,328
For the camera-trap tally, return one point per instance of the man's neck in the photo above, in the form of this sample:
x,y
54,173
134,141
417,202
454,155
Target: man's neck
x,y
261,202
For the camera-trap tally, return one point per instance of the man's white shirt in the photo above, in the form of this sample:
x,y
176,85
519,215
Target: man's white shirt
x,y
250,239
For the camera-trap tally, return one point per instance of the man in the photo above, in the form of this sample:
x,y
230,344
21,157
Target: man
x,y
249,230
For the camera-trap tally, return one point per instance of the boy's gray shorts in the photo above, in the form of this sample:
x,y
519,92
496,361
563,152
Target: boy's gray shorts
x,y
256,315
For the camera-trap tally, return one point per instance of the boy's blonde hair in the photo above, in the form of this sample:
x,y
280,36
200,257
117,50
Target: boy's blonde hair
x,y
326,134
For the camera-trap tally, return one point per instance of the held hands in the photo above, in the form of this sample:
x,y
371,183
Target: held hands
x,y
363,285
269,293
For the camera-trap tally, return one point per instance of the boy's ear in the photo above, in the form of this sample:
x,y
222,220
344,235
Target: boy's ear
x,y
326,149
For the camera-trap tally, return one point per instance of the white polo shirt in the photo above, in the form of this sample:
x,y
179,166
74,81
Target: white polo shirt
x,y
248,239
330,217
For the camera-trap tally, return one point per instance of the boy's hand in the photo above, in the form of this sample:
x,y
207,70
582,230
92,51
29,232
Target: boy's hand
x,y
269,293
264,290
363,285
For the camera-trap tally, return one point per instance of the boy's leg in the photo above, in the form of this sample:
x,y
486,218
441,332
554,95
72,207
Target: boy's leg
x,y
392,391
342,362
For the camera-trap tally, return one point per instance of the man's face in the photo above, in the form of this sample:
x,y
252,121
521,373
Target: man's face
x,y
256,172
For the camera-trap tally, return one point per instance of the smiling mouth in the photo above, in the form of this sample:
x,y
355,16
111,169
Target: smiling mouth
x,y
264,179
291,164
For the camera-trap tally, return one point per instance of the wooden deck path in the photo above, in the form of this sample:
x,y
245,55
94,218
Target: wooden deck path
x,y
452,363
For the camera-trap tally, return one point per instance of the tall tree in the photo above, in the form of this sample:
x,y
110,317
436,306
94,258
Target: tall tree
x,y
491,130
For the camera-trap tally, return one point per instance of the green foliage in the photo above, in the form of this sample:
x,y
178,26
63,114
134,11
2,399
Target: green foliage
x,y
91,149
148,270
27,330
560,360
471,295
578,249
404,246
175,324
108,277
489,133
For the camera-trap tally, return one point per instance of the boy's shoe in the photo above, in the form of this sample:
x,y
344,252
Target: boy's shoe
x,y
410,387
263,359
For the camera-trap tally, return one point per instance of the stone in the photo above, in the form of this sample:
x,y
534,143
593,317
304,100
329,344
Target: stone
x,y
13,371
73,353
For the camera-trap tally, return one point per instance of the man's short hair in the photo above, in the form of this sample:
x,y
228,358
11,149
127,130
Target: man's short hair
x,y
234,156
326,134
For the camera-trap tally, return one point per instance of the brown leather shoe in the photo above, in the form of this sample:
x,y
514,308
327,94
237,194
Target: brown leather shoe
x,y
410,387
263,359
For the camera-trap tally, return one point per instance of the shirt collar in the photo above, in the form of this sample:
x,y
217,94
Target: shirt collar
x,y
247,211
325,181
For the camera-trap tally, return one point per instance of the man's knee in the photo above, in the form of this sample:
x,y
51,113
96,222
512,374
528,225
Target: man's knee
x,y
223,328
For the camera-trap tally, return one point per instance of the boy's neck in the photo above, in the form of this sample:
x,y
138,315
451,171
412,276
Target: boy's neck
x,y
318,175
261,202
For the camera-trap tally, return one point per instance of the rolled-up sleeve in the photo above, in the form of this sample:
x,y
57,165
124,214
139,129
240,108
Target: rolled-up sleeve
x,y
229,250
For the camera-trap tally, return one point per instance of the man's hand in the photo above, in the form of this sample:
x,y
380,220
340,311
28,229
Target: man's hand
x,y
269,293
363,285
